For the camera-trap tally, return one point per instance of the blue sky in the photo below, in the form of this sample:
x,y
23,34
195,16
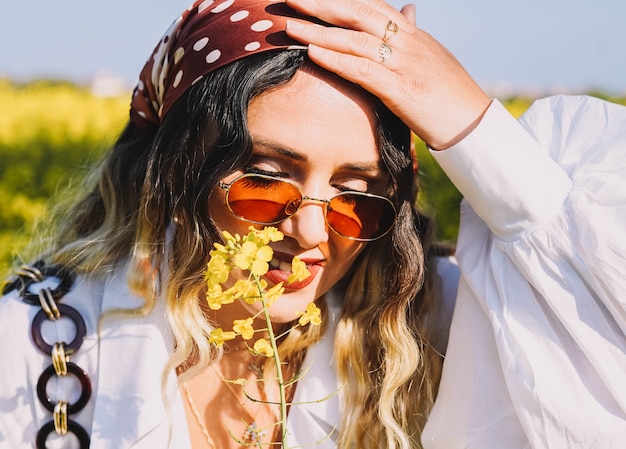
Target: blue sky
x,y
537,46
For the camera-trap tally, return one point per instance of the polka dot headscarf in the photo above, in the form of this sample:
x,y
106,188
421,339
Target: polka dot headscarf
x,y
208,35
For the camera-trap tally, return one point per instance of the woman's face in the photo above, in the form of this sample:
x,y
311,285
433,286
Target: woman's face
x,y
317,132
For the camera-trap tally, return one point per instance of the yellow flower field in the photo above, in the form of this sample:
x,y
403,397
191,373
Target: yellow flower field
x,y
48,132
59,112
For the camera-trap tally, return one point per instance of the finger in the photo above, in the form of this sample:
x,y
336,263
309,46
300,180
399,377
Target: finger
x,y
370,75
370,16
354,43
408,11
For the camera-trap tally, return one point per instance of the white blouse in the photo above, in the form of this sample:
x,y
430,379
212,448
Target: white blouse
x,y
537,350
124,362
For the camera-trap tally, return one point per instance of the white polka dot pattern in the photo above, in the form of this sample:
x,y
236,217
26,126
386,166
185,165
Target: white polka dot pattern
x,y
178,55
204,5
223,6
213,56
238,16
207,36
261,25
200,44
179,76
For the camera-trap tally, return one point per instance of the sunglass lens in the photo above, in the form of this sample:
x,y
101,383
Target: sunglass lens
x,y
360,216
263,200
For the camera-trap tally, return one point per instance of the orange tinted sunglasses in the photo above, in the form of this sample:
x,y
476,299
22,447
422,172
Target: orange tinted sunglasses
x,y
266,200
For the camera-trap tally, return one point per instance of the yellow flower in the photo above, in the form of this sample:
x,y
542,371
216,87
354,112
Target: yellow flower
x,y
262,347
215,297
218,336
272,295
254,258
217,270
268,234
298,271
246,255
245,288
220,250
274,234
255,291
228,236
312,315
259,265
244,328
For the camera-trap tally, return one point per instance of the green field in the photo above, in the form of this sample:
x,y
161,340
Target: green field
x,y
50,132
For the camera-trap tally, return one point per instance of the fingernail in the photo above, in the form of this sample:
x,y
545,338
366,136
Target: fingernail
x,y
314,50
294,25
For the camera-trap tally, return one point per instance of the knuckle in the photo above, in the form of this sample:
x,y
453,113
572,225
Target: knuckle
x,y
360,13
359,42
361,9
319,32
364,70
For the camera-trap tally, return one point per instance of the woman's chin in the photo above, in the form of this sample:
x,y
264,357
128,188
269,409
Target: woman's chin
x,y
288,308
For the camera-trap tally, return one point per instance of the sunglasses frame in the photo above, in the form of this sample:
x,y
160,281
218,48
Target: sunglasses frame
x,y
226,186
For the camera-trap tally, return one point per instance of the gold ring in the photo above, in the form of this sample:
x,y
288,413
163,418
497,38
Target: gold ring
x,y
390,30
384,51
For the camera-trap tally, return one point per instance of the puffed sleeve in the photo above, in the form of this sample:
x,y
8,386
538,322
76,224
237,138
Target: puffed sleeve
x,y
537,349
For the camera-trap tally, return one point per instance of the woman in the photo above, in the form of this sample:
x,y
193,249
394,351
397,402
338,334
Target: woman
x,y
226,109
537,348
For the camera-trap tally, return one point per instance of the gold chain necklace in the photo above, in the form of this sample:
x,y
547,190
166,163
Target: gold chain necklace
x,y
252,435
196,415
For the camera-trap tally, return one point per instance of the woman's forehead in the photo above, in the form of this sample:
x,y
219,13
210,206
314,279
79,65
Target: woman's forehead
x,y
319,117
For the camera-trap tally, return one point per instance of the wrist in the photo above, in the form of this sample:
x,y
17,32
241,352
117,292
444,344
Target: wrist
x,y
453,138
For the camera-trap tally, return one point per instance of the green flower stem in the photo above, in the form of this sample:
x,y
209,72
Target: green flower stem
x,y
279,370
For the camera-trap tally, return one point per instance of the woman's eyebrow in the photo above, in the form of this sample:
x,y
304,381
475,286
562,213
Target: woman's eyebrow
x,y
291,153
280,149
363,167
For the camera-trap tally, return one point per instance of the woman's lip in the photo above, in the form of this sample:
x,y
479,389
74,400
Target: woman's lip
x,y
280,274
276,276
286,257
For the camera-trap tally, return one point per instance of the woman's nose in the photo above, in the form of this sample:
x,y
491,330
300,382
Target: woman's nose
x,y
307,225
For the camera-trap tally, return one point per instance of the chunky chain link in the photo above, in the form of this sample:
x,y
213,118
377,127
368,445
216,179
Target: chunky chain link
x,y
47,300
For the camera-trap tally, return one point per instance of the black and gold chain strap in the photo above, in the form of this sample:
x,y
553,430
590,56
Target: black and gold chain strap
x,y
47,300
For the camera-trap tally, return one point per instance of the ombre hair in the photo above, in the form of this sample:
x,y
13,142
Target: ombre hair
x,y
146,204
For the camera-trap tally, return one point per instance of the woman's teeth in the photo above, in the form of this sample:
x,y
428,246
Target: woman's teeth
x,y
281,265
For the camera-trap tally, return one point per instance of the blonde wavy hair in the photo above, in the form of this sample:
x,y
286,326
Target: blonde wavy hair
x,y
147,203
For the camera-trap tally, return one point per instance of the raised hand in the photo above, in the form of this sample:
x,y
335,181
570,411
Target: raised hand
x,y
381,49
